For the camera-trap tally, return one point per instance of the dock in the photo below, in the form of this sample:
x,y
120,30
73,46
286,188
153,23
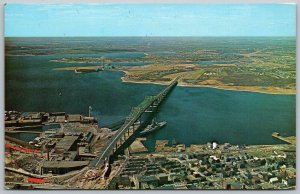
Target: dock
x,y
137,146
160,145
290,139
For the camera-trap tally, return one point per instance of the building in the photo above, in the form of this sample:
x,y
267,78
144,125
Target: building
x,y
74,118
144,182
67,143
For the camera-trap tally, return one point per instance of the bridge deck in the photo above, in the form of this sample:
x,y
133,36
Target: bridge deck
x,y
132,118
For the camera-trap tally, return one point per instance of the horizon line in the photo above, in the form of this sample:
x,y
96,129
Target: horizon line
x,y
125,36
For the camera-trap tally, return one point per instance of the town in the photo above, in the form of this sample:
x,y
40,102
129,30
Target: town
x,y
62,154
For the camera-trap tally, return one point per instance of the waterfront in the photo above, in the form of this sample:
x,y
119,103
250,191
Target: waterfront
x,y
194,115
150,96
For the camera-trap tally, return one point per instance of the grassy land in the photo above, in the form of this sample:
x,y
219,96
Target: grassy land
x,y
232,77
261,65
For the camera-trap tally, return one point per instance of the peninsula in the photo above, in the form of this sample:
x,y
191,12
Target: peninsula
x,y
259,78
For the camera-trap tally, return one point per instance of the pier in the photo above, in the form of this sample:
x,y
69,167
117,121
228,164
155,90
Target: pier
x,y
290,140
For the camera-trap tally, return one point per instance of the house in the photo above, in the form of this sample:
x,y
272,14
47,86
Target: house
x,y
273,180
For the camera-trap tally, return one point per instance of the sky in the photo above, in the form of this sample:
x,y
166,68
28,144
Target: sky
x,y
34,20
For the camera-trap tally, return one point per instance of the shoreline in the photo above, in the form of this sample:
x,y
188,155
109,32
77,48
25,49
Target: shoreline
x,y
229,88
207,86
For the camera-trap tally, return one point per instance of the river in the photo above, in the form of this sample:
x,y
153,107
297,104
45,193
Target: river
x,y
194,115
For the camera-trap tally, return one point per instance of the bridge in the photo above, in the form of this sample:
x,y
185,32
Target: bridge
x,y
115,126
148,105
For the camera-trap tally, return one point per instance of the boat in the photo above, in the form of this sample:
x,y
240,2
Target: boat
x,y
152,127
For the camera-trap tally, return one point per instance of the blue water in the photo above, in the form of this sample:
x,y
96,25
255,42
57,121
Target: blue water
x,y
24,136
207,63
193,115
205,114
162,53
